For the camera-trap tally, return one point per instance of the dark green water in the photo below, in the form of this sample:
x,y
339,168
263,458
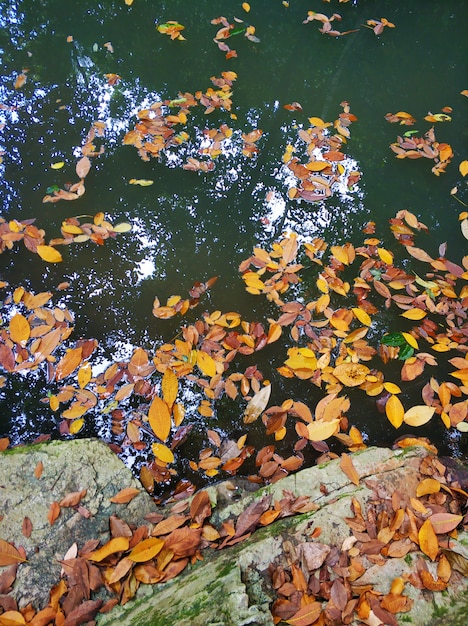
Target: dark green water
x,y
189,226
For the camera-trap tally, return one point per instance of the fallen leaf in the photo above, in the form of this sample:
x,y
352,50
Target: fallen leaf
x,y
49,254
347,466
257,405
117,544
428,540
9,554
146,549
125,495
159,418
418,415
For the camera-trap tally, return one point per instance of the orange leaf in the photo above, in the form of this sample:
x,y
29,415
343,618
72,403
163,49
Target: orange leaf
x,y
125,495
307,615
269,517
82,167
12,618
160,418
9,555
347,466
49,254
146,549
68,363
118,544
53,512
428,540
395,411
430,583
19,328
419,254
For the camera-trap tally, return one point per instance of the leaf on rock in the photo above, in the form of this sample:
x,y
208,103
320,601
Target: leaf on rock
x,y
445,522
9,555
146,549
117,544
125,495
200,507
307,615
428,540
347,466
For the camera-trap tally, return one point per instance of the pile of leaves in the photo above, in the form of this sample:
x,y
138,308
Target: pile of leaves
x,y
314,583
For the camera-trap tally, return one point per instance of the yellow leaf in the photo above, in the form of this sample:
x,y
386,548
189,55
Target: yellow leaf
x,y
463,167
428,540
118,544
19,328
206,363
392,388
418,415
246,6
49,254
129,2
160,418
321,430
123,227
54,403
427,486
362,316
141,181
75,410
163,453
385,256
178,412
411,340
12,618
71,229
394,411
170,387
84,375
76,426
58,165
351,374
414,314
146,549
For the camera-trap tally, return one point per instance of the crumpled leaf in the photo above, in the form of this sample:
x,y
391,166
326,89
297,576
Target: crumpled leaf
x,y
257,405
351,374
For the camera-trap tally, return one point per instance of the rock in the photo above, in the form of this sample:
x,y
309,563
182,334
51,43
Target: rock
x,y
232,586
67,466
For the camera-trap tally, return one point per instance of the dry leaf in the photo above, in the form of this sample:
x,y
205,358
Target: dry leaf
x,y
125,495
347,466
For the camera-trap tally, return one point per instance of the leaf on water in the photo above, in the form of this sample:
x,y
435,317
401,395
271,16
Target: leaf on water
x,y
162,453
206,363
123,227
246,6
418,415
140,181
20,329
464,228
159,418
84,375
347,466
463,167
76,426
9,555
117,544
394,411
419,254
257,405
319,430
49,254
428,540
414,314
125,495
83,166
146,549
351,374
170,387
68,363
200,507
58,165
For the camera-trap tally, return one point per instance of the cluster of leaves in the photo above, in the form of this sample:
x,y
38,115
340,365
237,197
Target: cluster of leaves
x,y
328,346
320,583
229,30
327,29
73,231
312,581
323,169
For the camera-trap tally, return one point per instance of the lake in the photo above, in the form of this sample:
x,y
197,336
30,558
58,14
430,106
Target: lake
x,y
68,66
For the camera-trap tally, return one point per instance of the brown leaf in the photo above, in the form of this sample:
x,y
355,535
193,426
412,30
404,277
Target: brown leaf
x,y
249,519
73,498
54,512
9,554
307,615
27,528
445,522
125,495
166,526
200,507
38,469
82,167
84,612
184,541
347,466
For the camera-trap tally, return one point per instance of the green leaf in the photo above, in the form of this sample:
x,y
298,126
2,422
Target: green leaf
x,y
406,352
393,339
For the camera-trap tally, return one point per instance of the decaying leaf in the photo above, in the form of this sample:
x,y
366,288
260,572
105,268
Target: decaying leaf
x,y
257,405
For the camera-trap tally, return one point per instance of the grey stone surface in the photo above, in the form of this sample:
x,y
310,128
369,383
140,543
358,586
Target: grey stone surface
x,y
67,467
